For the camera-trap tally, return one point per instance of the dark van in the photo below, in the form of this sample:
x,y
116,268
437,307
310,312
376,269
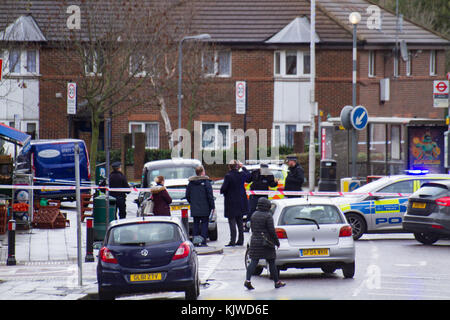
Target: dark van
x,y
53,163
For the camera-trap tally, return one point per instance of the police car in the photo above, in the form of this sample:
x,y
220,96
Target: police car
x,y
379,213
279,171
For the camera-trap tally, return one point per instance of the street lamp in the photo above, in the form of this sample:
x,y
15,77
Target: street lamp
x,y
199,37
354,19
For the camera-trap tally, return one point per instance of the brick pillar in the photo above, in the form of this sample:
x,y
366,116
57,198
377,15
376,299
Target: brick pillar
x,y
139,154
125,144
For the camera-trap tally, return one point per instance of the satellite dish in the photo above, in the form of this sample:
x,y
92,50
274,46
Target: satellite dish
x,y
404,50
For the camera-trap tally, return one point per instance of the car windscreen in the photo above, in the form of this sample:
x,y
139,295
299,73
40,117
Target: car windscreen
x,y
145,233
310,214
175,172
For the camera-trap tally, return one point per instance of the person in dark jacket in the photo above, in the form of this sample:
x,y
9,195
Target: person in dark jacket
x,y
199,194
161,198
295,177
261,180
263,242
235,200
118,180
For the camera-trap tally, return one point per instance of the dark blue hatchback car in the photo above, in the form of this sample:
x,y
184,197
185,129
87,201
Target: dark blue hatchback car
x,y
147,255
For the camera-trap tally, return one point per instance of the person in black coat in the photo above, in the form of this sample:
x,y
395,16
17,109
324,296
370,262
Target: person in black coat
x,y
235,200
263,242
199,194
118,180
261,180
295,177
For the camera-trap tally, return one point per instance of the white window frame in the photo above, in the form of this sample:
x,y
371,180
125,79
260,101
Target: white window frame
x,y
216,131
23,60
433,65
216,64
142,124
282,63
371,63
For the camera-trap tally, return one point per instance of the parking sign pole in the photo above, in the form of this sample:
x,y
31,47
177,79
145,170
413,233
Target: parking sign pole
x,y
78,195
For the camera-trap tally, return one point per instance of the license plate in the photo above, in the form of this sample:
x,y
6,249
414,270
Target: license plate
x,y
179,207
314,252
419,205
144,277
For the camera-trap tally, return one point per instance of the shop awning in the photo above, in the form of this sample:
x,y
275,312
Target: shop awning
x,y
15,136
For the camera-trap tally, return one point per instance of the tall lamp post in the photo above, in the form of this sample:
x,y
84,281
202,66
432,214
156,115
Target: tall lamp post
x,y
203,36
354,19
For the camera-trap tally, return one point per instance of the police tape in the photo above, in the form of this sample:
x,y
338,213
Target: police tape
x,y
270,193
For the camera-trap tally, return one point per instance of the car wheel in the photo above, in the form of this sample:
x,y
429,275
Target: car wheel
x,y
105,295
258,269
426,238
212,234
193,292
357,223
348,269
328,269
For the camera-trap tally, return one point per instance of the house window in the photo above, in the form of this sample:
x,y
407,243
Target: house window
x,y
217,63
31,61
371,63
291,63
14,61
289,135
396,65
433,63
215,136
395,142
409,65
137,64
277,63
151,130
93,62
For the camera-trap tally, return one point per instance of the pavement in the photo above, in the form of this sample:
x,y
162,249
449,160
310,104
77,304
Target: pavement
x,y
47,264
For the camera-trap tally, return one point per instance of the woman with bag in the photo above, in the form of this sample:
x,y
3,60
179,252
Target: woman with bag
x,y
263,242
199,194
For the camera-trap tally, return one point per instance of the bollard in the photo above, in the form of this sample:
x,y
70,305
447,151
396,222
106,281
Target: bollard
x,y
185,220
89,240
11,261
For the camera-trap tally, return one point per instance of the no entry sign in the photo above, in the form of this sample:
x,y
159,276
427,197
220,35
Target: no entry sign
x,y
440,94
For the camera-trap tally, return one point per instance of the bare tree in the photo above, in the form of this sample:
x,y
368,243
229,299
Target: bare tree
x,y
124,54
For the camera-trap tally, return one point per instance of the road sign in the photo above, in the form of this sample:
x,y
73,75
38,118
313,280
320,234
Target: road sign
x,y
440,93
71,98
345,117
359,117
241,97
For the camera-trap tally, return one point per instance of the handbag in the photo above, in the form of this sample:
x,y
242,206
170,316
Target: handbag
x,y
266,242
149,207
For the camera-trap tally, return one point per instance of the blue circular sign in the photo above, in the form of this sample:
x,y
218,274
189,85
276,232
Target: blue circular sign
x,y
359,117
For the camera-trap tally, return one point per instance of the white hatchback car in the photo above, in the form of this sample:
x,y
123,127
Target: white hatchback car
x,y
313,233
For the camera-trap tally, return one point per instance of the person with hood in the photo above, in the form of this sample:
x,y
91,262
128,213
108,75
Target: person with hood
x,y
199,194
261,180
118,180
263,242
235,200
161,198
295,177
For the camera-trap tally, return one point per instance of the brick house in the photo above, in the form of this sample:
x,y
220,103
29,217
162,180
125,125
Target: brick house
x,y
266,44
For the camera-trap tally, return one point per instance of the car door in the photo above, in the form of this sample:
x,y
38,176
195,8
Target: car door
x,y
389,210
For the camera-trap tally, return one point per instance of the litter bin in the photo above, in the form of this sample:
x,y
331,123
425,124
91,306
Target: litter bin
x,y
100,215
328,181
